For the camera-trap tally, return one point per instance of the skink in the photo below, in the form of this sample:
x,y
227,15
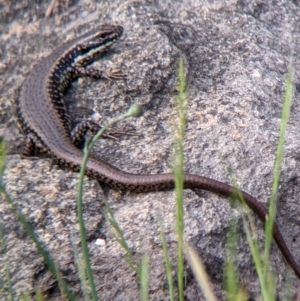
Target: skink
x,y
42,113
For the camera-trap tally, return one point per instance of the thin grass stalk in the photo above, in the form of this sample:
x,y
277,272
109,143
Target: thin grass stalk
x,y
231,280
272,207
134,111
252,240
119,236
168,265
144,278
47,258
6,262
181,110
199,271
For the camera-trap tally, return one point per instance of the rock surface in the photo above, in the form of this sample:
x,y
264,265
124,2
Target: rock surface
x,y
236,56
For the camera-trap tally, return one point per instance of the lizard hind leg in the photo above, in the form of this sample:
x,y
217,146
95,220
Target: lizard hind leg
x,y
81,129
98,74
79,132
33,144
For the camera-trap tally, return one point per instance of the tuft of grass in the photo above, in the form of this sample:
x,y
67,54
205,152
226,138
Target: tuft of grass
x,y
251,235
266,279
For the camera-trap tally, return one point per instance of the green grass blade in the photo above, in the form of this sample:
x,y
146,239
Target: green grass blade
x,y
134,111
200,273
144,278
28,229
38,295
82,274
2,157
181,110
24,296
3,251
231,275
289,292
30,232
119,235
82,229
267,287
167,260
272,208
